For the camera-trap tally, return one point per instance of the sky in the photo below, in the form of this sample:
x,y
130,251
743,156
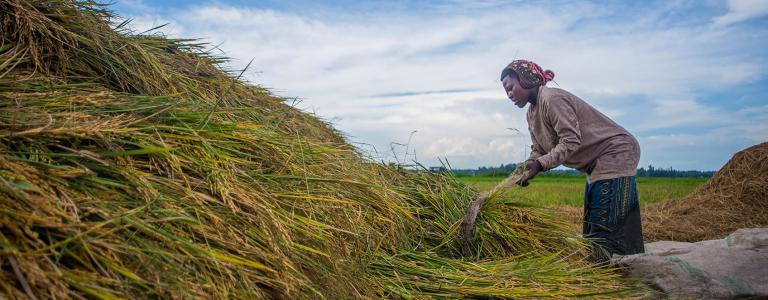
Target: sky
x,y
419,80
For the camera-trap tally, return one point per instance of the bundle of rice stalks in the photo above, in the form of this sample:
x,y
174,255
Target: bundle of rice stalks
x,y
736,197
506,225
419,275
132,166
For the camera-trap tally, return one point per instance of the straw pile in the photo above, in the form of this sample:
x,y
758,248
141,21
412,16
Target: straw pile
x,y
736,197
132,166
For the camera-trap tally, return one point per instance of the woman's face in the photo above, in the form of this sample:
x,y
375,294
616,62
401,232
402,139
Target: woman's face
x,y
515,92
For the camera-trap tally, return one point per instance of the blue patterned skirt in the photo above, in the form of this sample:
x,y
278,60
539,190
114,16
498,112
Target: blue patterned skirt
x,y
612,215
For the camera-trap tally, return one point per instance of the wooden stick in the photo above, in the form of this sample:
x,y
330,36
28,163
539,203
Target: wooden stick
x,y
467,229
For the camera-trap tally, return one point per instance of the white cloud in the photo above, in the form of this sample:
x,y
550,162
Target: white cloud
x,y
147,24
741,10
648,78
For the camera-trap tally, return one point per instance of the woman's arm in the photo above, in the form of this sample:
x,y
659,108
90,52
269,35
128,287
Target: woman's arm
x,y
561,114
535,152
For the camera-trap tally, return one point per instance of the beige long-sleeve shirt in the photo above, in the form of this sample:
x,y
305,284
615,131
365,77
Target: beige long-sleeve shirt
x,y
565,130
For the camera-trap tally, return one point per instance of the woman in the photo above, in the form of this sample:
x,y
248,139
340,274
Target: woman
x,y
565,130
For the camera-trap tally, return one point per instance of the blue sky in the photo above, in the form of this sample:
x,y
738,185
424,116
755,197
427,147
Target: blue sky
x,y
688,78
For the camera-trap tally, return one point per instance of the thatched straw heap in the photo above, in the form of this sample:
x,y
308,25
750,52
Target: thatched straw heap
x,y
132,166
736,197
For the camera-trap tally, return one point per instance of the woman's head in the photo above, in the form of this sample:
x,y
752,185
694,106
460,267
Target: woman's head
x,y
521,80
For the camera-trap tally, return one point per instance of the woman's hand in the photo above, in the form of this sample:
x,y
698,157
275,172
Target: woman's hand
x,y
533,168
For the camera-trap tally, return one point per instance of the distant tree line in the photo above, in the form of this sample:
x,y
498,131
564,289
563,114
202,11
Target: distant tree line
x,y
502,170
650,171
654,172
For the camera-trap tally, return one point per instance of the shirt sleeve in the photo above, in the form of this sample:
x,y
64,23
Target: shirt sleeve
x,y
562,116
535,152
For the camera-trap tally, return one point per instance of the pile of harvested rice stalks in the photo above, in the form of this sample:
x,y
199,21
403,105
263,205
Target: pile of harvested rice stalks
x,y
736,197
132,166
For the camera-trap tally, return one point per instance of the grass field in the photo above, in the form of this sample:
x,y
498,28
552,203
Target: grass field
x,y
562,190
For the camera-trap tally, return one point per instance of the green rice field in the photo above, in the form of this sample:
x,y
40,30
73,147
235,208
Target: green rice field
x,y
569,190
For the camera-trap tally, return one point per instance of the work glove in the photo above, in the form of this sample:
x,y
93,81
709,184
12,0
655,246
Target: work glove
x,y
533,168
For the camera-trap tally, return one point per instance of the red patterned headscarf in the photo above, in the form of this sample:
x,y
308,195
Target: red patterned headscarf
x,y
529,73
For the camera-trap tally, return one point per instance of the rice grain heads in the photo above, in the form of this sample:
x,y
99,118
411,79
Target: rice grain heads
x,y
132,166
